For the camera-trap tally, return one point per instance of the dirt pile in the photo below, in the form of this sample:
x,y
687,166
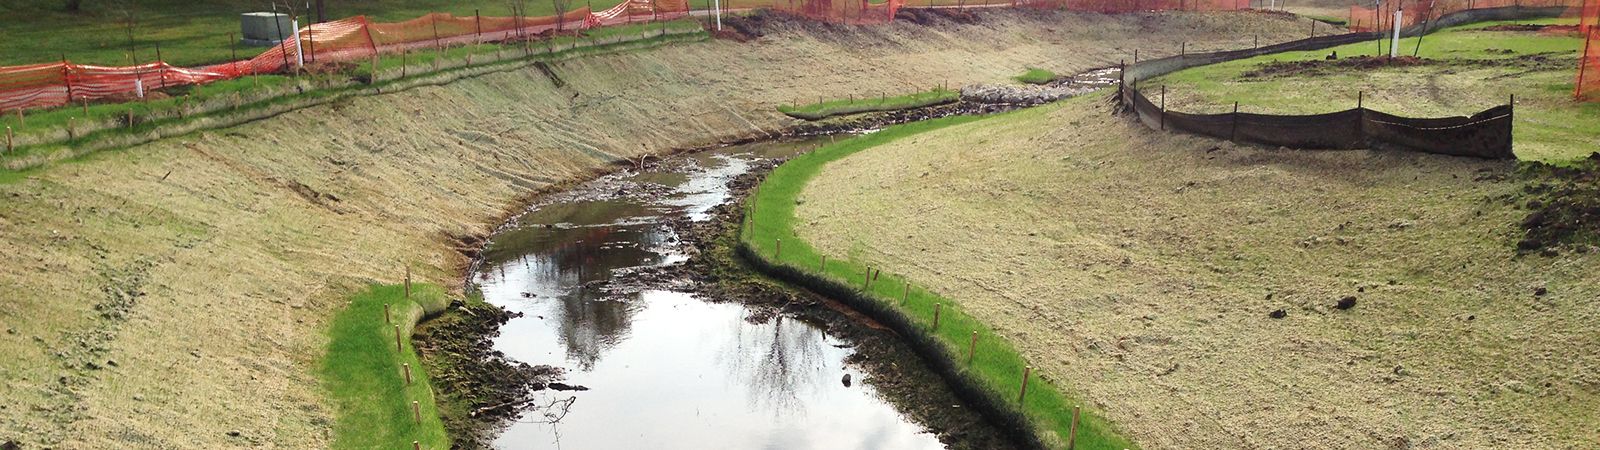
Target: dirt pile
x,y
1565,207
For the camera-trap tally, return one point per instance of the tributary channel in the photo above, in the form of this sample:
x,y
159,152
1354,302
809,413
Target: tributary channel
x,y
663,368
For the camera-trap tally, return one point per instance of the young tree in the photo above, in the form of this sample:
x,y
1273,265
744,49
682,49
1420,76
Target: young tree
x,y
561,12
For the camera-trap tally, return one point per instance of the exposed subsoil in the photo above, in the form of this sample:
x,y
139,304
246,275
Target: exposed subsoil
x,y
1329,67
1564,205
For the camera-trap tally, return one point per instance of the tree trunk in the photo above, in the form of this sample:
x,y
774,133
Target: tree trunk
x,y
322,13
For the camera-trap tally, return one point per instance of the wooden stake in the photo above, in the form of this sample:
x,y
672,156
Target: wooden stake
x,y
416,445
1233,134
72,128
1072,436
1163,107
936,308
407,366
1025,371
86,106
823,266
20,121
235,99
408,281
397,346
9,144
779,250
906,297
386,317
130,117
866,280
416,410
972,349
1360,96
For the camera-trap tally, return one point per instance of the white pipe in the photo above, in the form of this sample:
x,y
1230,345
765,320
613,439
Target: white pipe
x,y
1394,44
299,53
717,4
138,87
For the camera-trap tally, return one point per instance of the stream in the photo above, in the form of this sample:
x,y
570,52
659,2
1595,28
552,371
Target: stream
x,y
649,365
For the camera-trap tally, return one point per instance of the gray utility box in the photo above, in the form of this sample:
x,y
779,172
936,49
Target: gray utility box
x,y
264,29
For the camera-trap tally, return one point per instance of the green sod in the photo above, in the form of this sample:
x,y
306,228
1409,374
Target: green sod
x,y
998,365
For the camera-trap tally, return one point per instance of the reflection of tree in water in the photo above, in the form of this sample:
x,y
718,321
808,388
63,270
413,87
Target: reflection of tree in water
x,y
591,322
778,361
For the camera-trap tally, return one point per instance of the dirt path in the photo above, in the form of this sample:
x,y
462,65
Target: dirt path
x,y
1190,288
172,295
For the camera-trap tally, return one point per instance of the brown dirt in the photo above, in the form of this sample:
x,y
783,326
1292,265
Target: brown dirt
x,y
1565,207
229,269
1514,27
1190,289
1315,68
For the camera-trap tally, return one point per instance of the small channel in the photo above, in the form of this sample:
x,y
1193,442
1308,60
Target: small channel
x,y
663,368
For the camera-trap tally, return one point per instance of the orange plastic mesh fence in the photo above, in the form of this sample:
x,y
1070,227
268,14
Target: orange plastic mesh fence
x,y
352,39
1415,12
1588,85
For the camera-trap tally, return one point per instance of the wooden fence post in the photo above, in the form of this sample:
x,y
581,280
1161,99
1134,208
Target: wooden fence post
x,y
936,308
408,281
972,348
397,346
1233,135
386,316
407,366
1024,392
1163,107
416,410
72,128
906,297
1072,436
9,144
778,251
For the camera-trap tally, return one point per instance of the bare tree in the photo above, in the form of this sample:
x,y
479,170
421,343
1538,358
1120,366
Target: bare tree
x,y
561,12
322,12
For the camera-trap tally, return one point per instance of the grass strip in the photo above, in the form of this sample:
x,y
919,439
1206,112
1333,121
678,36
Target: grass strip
x,y
818,111
1036,76
995,374
362,371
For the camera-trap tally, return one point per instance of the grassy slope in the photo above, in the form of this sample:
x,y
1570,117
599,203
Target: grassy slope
x,y
363,373
1549,126
997,364
1139,268
817,111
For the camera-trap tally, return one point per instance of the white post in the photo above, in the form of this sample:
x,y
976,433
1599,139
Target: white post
x,y
1394,44
138,87
717,5
1274,5
299,53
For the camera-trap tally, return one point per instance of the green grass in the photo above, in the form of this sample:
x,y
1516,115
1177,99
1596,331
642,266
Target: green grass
x,y
362,372
1036,76
998,365
816,111
190,33
1549,125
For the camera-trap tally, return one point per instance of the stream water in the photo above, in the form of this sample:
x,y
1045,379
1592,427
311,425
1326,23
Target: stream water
x,y
664,369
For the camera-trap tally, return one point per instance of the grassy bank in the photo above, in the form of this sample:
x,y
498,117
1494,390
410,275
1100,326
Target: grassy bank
x,y
66,132
823,110
1036,76
365,378
997,366
1474,70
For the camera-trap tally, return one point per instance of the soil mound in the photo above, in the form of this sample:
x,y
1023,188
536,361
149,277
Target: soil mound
x,y
1565,209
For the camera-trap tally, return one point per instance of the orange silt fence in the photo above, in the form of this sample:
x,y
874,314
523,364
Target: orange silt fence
x,y
1587,87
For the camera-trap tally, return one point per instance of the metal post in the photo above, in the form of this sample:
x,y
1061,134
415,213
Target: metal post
x,y
1583,65
1360,96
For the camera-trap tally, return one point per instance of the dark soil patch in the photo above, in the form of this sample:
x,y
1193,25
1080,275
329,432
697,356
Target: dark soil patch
x,y
957,15
1564,205
1319,68
1514,27
480,389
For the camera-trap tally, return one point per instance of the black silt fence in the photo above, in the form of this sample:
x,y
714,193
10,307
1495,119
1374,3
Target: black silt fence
x,y
1485,135
1000,410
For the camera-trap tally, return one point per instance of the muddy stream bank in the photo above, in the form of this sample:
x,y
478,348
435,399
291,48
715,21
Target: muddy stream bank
x,y
616,285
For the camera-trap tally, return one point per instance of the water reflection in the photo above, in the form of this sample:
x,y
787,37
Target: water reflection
x,y
666,370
